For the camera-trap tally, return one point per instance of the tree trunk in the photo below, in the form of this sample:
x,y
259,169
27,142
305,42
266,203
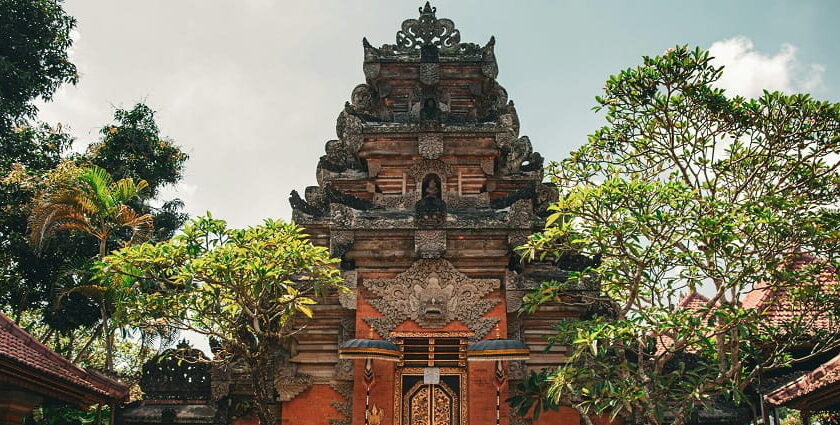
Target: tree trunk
x,y
264,398
81,352
109,339
108,333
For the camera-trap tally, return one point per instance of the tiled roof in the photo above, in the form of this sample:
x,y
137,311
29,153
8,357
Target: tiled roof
x,y
693,301
24,359
817,379
777,307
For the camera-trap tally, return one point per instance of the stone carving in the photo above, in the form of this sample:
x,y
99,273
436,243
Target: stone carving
x,y
374,168
400,202
460,202
432,293
340,242
429,106
348,299
341,216
518,238
179,373
337,158
516,281
521,214
508,125
347,331
547,194
513,300
489,67
431,209
430,243
344,370
220,380
488,166
428,30
371,70
345,407
430,145
492,101
288,386
348,123
362,98
518,156
429,73
319,200
419,171
299,205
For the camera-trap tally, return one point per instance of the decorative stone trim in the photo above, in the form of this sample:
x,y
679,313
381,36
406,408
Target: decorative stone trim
x,y
348,299
340,242
430,145
430,243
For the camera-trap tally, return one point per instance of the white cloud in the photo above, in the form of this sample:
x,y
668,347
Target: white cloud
x,y
748,71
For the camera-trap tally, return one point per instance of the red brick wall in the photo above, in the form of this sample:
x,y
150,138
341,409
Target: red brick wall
x,y
311,407
381,390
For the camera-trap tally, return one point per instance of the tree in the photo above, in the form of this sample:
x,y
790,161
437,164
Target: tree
x,y
247,289
132,147
34,60
684,190
87,200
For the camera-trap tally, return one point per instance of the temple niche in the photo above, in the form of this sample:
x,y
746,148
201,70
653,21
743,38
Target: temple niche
x,y
423,195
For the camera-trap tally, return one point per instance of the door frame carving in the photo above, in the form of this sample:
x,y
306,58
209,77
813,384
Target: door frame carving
x,y
444,371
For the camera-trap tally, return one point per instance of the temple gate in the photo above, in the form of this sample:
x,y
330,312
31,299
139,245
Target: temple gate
x,y
423,195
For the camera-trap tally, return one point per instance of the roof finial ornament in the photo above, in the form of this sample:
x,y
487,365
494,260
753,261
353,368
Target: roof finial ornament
x,y
427,9
428,30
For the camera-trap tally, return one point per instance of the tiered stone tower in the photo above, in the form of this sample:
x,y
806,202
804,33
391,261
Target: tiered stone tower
x,y
423,196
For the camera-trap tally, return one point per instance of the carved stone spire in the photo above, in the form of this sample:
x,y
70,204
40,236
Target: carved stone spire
x,y
428,30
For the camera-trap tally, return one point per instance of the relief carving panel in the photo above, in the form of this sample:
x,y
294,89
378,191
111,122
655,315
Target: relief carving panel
x,y
432,293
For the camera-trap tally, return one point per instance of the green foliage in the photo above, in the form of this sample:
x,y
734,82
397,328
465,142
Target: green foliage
x,y
66,416
248,289
133,148
36,162
89,201
686,189
529,398
35,38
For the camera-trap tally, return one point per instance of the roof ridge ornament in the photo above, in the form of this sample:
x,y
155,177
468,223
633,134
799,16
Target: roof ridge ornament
x,y
428,30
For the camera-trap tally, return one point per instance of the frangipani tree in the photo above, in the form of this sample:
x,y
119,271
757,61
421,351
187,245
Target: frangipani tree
x,y
686,189
248,289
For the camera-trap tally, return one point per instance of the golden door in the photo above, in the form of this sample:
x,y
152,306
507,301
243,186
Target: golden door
x,y
430,405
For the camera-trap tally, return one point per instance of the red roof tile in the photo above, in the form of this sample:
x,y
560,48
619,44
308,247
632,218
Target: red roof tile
x,y
775,303
25,359
817,379
693,301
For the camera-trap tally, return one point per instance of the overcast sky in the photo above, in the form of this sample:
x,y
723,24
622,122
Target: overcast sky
x,y
251,88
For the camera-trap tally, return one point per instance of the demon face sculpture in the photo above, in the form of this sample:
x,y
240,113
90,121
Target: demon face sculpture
x,y
432,293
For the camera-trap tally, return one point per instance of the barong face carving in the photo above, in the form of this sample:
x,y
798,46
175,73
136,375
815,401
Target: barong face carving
x,y
432,293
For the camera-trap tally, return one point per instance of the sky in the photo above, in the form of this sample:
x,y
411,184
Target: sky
x,y
250,89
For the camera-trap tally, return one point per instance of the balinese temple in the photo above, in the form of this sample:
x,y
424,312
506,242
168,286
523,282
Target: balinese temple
x,y
424,195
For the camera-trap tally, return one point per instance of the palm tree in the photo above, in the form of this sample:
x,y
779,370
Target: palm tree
x,y
93,203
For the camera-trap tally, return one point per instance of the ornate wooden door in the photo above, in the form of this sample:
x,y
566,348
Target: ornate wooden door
x,y
424,404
